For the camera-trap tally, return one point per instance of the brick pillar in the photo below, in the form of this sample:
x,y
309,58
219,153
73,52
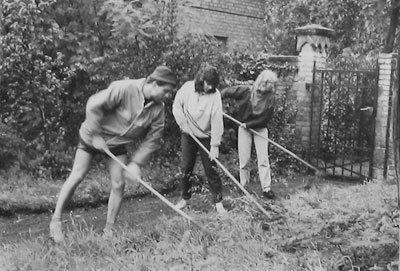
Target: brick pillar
x,y
312,43
383,157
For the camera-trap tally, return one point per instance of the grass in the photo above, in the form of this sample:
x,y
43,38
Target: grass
x,y
322,228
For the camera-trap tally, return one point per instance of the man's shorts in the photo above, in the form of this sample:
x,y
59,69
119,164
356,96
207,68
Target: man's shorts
x,y
118,150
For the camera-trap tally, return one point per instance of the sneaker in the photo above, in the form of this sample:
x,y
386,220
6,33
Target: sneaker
x,y
181,204
269,194
56,232
220,208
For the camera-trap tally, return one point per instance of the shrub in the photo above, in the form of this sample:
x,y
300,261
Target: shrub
x,y
11,146
33,81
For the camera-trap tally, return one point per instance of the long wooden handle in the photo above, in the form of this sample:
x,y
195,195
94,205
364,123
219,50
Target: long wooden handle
x,y
161,197
232,178
274,143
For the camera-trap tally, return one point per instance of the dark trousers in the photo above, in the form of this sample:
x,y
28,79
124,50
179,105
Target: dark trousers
x,y
189,152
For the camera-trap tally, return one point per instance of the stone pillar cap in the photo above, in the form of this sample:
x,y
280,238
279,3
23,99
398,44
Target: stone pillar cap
x,y
313,34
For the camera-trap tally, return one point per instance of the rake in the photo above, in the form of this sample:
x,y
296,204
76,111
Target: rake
x,y
152,190
232,177
318,173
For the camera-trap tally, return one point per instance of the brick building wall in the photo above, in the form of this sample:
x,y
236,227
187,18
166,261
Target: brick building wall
x,y
237,23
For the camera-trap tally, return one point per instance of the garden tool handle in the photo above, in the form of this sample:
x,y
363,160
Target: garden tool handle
x,y
161,197
231,176
274,143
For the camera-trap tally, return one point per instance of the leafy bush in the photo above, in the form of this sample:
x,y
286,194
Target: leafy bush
x,y
11,147
358,25
34,79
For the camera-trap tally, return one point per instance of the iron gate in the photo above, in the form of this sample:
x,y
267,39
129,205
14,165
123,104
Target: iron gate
x,y
342,114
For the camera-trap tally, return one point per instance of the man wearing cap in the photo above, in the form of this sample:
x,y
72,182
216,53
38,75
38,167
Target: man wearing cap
x,y
124,112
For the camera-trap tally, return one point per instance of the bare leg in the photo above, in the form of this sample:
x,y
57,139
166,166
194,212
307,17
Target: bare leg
x,y
79,170
117,191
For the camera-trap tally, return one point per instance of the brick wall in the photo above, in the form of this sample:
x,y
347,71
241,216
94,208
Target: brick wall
x,y
240,22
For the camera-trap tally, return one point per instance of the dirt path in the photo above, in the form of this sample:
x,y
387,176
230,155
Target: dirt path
x,y
134,213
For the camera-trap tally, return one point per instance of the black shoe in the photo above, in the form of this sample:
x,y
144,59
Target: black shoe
x,y
269,194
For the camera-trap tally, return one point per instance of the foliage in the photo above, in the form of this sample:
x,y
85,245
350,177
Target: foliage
x,y
359,25
131,22
11,147
349,60
34,76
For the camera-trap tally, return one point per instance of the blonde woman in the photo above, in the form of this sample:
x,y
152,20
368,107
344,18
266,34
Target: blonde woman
x,y
256,106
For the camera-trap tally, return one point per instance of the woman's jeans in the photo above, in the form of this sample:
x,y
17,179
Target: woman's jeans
x,y
189,153
245,140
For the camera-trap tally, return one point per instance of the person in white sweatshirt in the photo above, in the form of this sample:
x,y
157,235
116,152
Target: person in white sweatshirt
x,y
197,109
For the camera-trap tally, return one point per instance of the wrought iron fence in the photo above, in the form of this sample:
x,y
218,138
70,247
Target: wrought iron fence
x,y
343,108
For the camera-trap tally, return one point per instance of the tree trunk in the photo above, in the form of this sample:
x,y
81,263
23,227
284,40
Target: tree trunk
x,y
396,139
394,21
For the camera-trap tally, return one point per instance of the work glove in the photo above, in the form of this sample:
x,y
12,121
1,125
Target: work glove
x,y
133,174
214,152
99,143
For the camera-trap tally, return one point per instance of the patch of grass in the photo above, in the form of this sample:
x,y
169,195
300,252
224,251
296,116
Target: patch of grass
x,y
323,228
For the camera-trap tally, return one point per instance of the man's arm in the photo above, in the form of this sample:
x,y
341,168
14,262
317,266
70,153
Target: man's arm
x,y
100,103
151,141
